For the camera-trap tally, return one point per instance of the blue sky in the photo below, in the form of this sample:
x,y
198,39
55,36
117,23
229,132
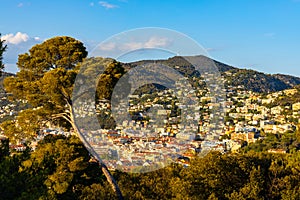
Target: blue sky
x,y
257,34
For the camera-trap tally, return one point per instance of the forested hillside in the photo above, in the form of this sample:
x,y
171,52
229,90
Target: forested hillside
x,y
251,80
61,168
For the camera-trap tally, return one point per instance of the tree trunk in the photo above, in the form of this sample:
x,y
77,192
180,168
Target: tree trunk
x,y
104,168
111,181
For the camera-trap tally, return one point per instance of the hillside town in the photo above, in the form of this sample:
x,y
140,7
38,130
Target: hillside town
x,y
159,100
157,135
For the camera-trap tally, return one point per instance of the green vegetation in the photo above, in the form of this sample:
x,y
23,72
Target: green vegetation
x,y
58,169
259,82
287,100
61,168
45,80
250,79
3,48
289,142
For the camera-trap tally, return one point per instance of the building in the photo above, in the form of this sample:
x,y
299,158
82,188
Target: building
x,y
296,106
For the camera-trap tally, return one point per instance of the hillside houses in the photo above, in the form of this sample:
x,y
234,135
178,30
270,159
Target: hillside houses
x,y
170,125
296,106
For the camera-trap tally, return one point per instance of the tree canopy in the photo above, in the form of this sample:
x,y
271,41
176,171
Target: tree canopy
x,y
46,80
61,168
3,48
58,52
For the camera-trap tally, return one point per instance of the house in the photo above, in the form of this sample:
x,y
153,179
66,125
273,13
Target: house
x,y
18,147
276,151
290,91
263,123
276,110
249,136
296,106
267,101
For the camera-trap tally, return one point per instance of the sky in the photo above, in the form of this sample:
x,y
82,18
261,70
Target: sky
x,y
263,35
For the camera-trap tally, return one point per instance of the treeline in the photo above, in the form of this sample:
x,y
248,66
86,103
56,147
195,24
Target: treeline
x,y
61,168
288,142
260,82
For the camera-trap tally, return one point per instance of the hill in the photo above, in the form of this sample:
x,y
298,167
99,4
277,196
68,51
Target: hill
x,y
251,80
260,82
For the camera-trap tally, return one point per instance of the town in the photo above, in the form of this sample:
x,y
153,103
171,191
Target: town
x,y
156,134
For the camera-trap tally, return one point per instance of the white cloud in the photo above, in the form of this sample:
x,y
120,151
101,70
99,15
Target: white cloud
x,y
18,38
15,39
108,46
18,43
107,5
156,42
92,4
131,46
22,4
153,42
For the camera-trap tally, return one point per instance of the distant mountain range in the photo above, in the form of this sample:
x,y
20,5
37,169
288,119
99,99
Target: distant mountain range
x,y
250,79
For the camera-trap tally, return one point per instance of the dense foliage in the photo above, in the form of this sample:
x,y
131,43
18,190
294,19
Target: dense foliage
x,y
61,168
260,82
3,48
46,80
288,142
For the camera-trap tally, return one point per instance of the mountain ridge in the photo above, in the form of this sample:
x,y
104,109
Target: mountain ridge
x,y
251,80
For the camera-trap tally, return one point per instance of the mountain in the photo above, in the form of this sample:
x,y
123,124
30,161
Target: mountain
x,y
185,67
290,80
260,82
250,79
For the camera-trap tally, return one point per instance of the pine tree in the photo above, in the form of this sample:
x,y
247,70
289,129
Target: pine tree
x,y
3,48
